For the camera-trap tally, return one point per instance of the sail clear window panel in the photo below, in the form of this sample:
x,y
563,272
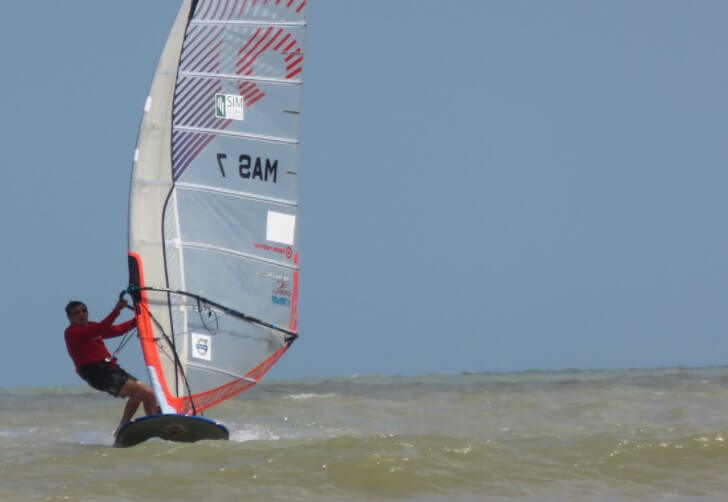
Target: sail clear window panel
x,y
255,288
232,223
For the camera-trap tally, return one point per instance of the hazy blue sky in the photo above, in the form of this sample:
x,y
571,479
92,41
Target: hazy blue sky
x,y
485,186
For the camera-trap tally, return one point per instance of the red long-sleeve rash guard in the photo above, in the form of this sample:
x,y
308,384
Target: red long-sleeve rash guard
x,y
85,343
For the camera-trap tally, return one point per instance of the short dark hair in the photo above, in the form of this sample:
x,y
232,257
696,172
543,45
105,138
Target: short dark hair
x,y
72,305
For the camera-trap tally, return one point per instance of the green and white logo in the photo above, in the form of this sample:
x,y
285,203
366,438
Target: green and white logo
x,y
229,106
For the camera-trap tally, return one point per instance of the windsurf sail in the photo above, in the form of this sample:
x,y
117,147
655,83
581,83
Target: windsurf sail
x,y
213,206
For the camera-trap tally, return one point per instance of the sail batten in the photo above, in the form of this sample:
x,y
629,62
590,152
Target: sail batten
x,y
242,22
213,206
222,372
258,137
237,193
246,78
228,251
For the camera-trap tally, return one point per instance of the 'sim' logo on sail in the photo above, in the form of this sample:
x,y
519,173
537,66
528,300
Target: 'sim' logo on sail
x,y
229,106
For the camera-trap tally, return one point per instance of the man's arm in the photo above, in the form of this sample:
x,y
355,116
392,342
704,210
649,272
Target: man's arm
x,y
119,329
80,333
91,330
109,319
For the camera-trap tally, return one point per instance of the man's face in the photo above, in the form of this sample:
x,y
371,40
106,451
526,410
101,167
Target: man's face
x,y
79,315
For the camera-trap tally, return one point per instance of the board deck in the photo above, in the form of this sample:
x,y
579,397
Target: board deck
x,y
182,428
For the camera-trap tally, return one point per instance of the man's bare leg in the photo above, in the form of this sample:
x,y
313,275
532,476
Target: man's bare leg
x,y
132,405
150,405
137,393
143,393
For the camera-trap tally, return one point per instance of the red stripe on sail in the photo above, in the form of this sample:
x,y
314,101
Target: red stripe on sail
x,y
246,87
293,321
289,46
294,63
256,97
281,42
252,49
294,73
255,34
261,51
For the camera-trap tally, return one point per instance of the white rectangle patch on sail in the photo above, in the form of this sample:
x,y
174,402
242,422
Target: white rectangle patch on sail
x,y
280,227
201,346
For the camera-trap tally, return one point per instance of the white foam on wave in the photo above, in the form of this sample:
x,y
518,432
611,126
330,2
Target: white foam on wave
x,y
20,432
309,395
252,433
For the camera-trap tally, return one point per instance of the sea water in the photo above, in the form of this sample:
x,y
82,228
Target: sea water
x,y
657,435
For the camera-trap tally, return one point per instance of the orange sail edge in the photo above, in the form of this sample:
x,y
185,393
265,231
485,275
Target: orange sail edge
x,y
213,397
146,334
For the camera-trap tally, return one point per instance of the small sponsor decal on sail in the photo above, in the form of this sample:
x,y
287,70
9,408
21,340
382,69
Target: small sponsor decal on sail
x,y
201,346
229,106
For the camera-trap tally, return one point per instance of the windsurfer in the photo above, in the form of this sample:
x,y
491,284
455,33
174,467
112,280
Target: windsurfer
x,y
85,343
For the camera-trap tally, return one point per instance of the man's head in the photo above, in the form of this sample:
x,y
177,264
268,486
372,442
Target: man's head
x,y
77,313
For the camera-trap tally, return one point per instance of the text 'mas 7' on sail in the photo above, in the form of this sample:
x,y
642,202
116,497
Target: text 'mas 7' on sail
x,y
213,206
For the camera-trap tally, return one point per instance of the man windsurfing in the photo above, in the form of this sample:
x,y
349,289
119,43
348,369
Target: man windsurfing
x,y
85,343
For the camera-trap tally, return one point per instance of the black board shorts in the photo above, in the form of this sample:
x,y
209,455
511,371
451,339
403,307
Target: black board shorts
x,y
105,377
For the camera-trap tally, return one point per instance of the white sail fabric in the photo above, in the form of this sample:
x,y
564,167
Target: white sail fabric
x,y
213,215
